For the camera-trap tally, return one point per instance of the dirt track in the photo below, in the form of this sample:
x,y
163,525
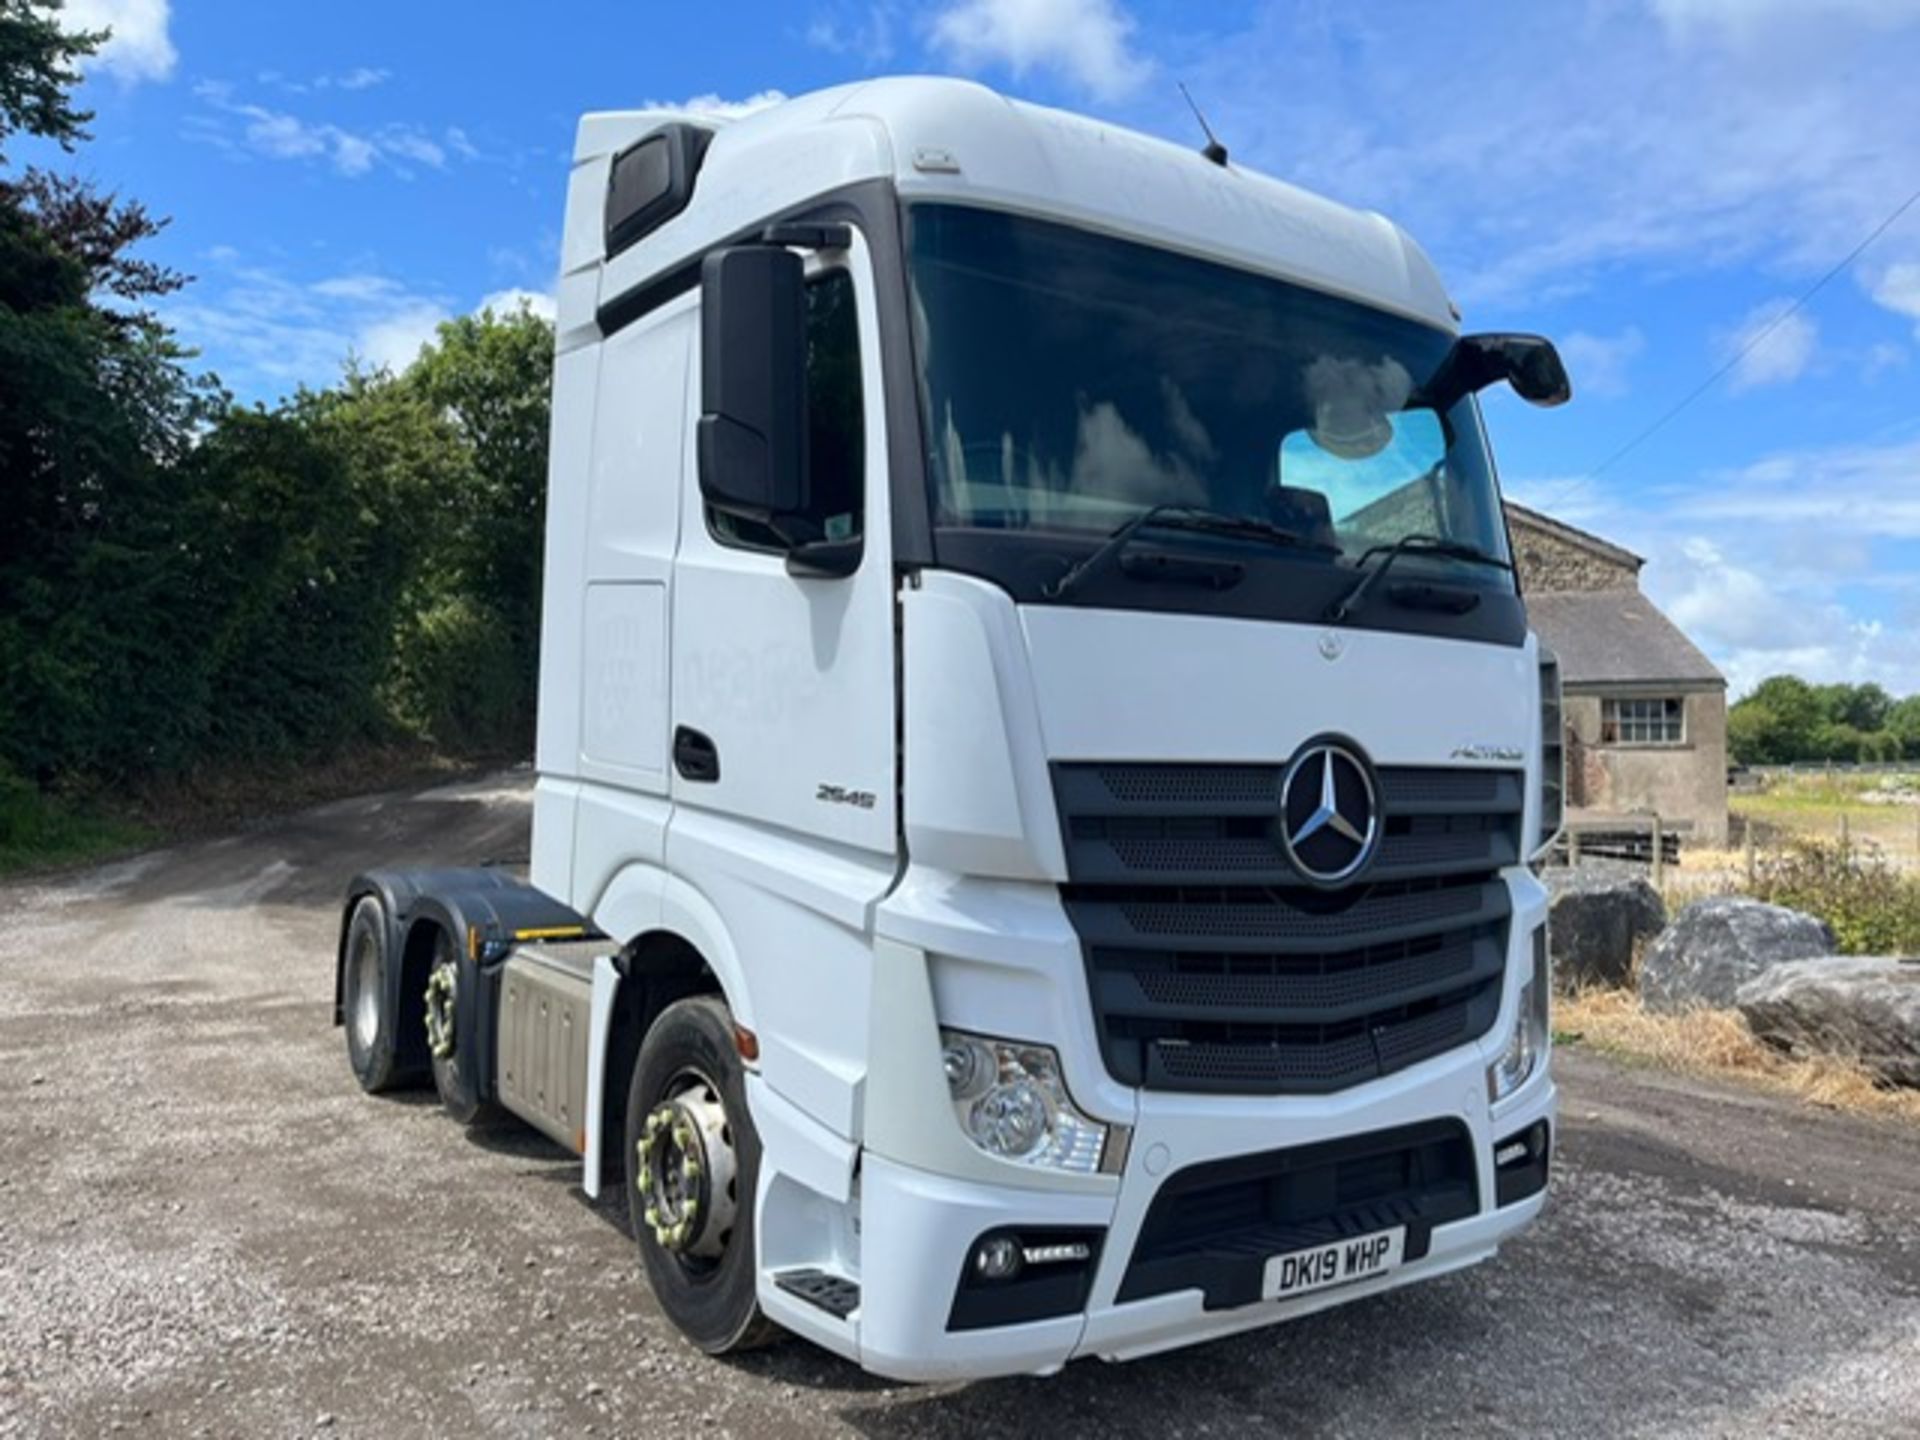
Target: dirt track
x,y
206,1228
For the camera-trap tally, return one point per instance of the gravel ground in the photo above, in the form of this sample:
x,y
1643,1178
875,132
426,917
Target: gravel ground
x,y
206,1229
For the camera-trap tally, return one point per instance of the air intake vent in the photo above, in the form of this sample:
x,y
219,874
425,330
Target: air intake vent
x,y
1553,752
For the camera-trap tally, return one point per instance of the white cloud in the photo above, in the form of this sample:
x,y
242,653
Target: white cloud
x,y
1756,623
1806,562
268,333
717,106
514,298
1868,489
1746,21
864,32
1773,347
394,341
1598,363
361,77
412,145
281,135
1089,41
1898,288
1556,147
1881,357
139,48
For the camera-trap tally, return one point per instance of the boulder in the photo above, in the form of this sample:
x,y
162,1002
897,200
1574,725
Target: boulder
x,y
1857,1007
1713,947
1597,920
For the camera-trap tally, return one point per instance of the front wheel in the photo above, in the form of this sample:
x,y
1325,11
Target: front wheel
x,y
693,1160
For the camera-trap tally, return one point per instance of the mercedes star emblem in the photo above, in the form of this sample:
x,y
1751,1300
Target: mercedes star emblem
x,y
1329,818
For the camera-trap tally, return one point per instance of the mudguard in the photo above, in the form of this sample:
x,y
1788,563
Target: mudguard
x,y
487,911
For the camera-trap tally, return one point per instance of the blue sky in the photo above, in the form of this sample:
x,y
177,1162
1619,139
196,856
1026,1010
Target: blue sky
x,y
1647,181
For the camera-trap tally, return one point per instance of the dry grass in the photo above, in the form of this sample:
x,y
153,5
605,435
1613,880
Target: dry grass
x,y
1716,1044
1880,811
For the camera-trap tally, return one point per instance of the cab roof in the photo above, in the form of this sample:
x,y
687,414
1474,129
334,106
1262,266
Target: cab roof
x,y
955,140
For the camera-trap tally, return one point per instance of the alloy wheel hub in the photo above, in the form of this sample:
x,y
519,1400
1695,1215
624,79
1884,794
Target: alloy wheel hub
x,y
687,1172
442,987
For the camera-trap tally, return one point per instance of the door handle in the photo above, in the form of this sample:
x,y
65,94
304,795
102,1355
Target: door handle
x,y
695,756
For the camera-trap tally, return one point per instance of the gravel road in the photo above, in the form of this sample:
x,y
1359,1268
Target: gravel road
x,y
206,1229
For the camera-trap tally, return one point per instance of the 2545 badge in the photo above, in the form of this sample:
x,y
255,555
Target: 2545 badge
x,y
840,795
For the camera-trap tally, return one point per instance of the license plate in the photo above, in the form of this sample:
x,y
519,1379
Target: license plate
x,y
1300,1272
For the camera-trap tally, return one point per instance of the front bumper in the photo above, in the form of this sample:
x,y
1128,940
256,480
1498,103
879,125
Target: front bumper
x,y
919,1227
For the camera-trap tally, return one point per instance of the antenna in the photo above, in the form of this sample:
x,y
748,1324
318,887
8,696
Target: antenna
x,y
1213,149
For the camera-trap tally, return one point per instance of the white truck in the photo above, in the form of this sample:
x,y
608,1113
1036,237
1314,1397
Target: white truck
x,y
1040,747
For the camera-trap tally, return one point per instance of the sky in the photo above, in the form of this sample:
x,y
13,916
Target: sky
x,y
1651,183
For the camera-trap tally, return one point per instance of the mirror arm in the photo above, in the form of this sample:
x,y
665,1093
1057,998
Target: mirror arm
x,y
808,237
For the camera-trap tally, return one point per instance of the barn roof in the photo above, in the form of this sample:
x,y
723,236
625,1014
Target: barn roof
x,y
1525,517
1611,637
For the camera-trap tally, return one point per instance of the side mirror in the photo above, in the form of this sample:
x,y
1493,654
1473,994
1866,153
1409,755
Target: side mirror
x,y
1528,363
752,434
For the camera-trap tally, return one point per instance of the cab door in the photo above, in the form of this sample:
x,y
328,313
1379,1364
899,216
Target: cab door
x,y
783,685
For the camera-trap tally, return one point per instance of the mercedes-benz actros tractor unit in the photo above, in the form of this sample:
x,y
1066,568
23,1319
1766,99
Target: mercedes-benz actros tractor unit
x,y
1040,747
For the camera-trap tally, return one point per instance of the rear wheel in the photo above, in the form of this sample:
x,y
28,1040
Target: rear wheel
x,y
693,1160
372,1029
450,1043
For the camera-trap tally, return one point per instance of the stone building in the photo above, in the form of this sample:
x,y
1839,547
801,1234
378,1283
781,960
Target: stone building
x,y
1646,712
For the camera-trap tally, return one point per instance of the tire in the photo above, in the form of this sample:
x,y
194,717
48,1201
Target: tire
x,y
366,1004
704,1278
455,1072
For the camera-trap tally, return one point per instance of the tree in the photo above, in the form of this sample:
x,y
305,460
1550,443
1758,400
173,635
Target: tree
x,y
1862,707
488,377
1748,739
1903,723
39,66
96,409
1778,721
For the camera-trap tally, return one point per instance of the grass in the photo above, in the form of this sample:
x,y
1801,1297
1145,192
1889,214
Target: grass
x,y
37,831
1717,1045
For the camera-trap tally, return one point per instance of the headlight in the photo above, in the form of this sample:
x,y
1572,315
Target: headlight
x,y
1011,1102
1530,1029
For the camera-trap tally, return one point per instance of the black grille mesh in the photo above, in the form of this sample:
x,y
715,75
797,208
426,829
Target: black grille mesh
x,y
1213,967
1213,1227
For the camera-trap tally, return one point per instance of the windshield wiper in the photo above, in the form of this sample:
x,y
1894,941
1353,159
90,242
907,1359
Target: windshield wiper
x,y
1407,545
1179,517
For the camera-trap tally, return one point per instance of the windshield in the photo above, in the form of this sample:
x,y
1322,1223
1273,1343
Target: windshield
x,y
1072,380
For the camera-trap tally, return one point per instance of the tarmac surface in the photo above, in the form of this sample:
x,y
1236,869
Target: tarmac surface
x,y
205,1228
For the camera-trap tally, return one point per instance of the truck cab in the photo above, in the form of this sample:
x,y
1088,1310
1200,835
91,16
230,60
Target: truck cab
x,y
1039,751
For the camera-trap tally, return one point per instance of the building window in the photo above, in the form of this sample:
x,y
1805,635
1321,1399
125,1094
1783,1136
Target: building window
x,y
1643,722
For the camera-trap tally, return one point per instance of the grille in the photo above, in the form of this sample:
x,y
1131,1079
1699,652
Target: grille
x,y
1213,967
1213,1227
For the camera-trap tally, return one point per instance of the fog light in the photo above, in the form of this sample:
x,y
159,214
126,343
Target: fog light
x,y
997,1257
1528,1042
1520,1164
1012,1103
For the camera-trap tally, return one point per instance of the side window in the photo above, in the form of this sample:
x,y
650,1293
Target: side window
x,y
836,426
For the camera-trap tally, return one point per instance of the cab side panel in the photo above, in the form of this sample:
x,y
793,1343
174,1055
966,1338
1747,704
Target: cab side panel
x,y
623,581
